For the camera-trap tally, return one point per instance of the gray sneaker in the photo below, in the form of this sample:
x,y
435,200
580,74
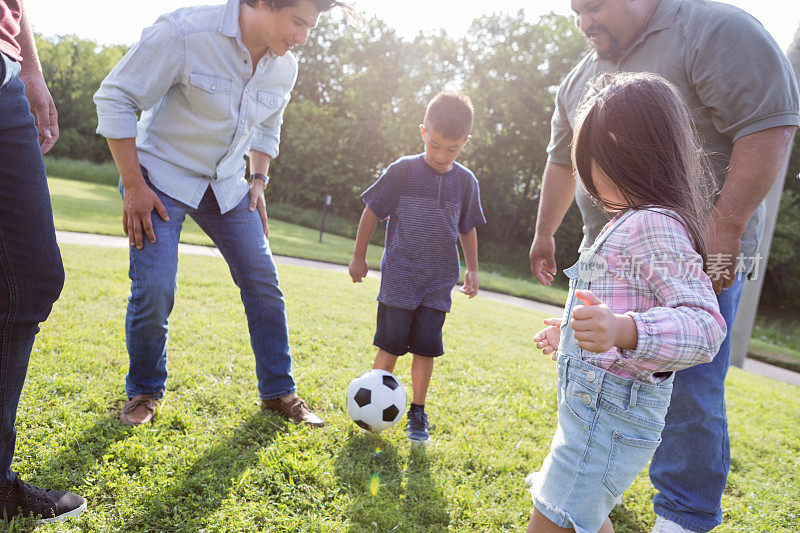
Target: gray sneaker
x,y
48,505
417,426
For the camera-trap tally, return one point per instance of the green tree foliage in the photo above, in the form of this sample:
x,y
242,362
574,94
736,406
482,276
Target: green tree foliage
x,y
74,68
512,71
357,104
360,96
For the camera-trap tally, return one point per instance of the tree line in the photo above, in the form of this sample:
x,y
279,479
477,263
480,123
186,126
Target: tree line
x,y
360,96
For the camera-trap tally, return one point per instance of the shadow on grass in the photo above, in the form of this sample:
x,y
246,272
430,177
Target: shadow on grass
x,y
384,497
424,502
369,469
188,498
69,469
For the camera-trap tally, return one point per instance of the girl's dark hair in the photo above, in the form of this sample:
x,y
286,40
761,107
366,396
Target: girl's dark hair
x,y
637,129
274,5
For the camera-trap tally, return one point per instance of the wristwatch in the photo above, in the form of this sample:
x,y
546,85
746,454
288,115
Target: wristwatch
x,y
258,176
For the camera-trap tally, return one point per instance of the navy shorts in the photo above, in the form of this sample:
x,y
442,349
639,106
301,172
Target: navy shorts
x,y
400,331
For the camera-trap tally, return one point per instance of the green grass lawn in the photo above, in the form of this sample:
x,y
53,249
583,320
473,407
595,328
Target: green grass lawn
x,y
97,208
213,462
774,354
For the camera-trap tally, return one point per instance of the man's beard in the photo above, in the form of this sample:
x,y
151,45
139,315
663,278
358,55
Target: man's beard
x,y
613,52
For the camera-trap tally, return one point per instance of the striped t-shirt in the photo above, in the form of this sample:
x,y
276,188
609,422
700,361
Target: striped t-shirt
x,y
427,211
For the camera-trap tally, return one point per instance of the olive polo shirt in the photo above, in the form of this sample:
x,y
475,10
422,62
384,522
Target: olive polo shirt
x,y
733,76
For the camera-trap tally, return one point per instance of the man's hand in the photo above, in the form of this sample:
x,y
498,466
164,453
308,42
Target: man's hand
x,y
723,246
257,201
358,269
543,259
471,285
547,339
137,205
598,329
43,109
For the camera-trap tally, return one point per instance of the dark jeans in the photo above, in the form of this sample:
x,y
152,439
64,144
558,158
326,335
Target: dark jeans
x,y
690,467
31,274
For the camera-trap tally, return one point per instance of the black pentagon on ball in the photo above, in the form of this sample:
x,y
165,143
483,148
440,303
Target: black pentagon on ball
x,y
390,413
390,382
363,425
363,397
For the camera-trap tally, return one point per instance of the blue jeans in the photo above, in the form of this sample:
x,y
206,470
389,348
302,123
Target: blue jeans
x,y
690,467
31,273
239,235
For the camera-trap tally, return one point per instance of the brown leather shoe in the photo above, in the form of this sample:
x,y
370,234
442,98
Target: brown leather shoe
x,y
138,410
296,410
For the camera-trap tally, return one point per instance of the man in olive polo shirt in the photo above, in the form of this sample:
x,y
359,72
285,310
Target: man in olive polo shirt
x,y
744,100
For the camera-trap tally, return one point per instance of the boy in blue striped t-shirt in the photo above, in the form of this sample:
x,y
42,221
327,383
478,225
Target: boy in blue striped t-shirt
x,y
431,202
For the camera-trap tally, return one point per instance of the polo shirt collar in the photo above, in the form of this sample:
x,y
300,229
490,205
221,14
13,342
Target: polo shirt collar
x,y
662,18
230,20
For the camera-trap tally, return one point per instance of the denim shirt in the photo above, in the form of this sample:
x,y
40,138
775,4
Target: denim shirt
x,y
202,106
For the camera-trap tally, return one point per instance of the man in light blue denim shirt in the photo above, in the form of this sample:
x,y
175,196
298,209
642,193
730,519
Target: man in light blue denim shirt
x,y
212,83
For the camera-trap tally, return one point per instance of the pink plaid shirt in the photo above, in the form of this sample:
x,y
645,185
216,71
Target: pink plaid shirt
x,y
655,275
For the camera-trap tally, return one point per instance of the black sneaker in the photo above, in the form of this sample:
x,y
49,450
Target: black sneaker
x,y
417,426
21,499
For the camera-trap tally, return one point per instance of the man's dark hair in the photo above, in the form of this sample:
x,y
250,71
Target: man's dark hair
x,y
275,5
450,114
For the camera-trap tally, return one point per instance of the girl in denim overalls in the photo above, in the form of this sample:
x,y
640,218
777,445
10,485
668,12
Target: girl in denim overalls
x,y
640,305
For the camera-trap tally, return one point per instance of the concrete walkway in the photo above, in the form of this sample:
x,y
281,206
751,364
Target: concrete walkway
x,y
90,239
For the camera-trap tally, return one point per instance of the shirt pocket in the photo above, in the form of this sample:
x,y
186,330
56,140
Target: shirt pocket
x,y
268,103
578,403
210,94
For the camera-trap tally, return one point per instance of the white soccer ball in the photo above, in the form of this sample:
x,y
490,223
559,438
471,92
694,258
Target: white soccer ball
x,y
376,400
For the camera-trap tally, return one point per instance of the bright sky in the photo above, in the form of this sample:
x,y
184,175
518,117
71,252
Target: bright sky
x,y
121,22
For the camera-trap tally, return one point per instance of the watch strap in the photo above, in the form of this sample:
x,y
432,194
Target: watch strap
x,y
259,176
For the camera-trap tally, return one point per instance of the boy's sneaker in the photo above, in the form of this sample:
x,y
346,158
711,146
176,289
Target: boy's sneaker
x,y
417,426
21,499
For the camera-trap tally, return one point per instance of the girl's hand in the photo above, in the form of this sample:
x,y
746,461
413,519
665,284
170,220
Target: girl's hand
x,y
598,329
547,340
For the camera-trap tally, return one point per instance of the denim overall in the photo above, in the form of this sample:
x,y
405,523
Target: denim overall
x,y
608,426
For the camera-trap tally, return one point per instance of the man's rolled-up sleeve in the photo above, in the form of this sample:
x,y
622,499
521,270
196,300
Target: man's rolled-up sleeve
x,y
267,134
140,79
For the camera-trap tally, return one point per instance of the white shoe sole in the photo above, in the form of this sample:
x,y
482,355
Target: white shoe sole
x,y
64,516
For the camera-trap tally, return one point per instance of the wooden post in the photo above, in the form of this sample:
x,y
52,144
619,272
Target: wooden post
x,y
748,306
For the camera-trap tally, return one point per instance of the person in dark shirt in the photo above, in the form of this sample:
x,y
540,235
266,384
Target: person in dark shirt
x,y
431,202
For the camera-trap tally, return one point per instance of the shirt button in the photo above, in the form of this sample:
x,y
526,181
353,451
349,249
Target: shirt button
x,y
591,375
241,121
213,87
